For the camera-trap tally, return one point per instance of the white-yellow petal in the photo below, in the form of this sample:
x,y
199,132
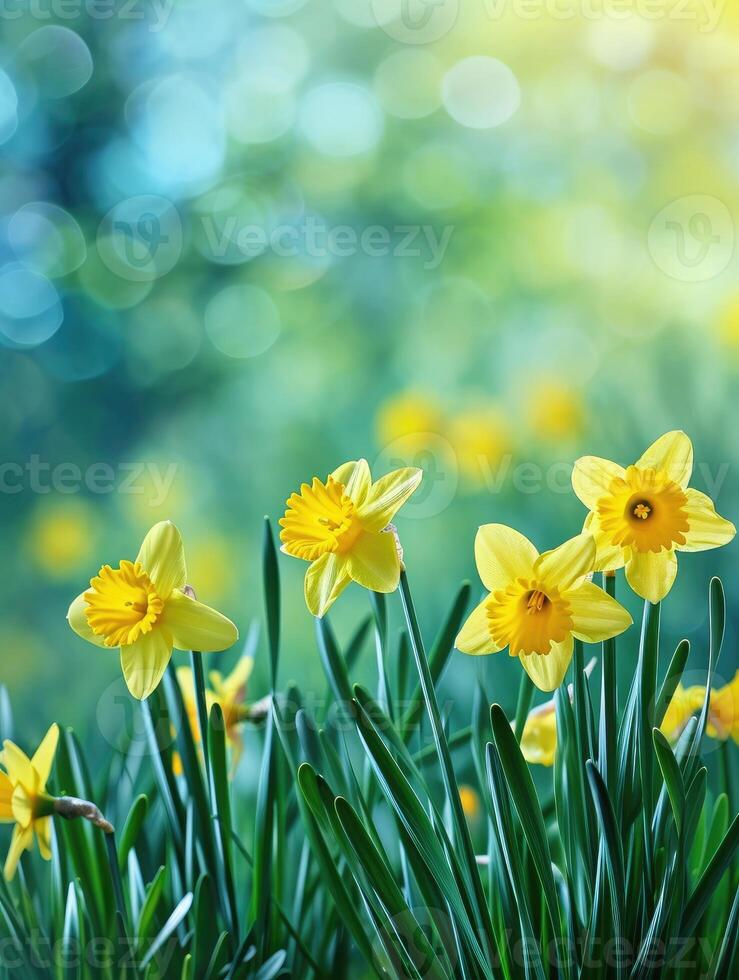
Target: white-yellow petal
x,y
651,574
356,478
502,555
143,663
162,556
474,637
568,564
78,621
608,556
43,757
43,836
194,626
386,496
707,529
231,685
547,671
672,453
17,764
373,562
325,580
592,478
596,616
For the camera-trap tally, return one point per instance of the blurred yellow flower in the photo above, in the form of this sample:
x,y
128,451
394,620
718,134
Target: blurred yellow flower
x,y
555,411
470,802
480,438
412,416
642,515
538,604
24,800
539,738
340,527
229,693
60,536
728,325
723,710
143,608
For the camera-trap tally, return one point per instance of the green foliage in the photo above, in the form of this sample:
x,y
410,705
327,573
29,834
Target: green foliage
x,y
358,859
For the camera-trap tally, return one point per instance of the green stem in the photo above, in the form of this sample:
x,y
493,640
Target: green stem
x,y
608,704
115,874
198,674
459,820
726,772
523,705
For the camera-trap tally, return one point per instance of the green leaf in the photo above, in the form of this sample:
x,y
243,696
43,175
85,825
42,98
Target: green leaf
x,y
169,927
710,879
671,775
222,826
154,893
131,829
271,575
671,680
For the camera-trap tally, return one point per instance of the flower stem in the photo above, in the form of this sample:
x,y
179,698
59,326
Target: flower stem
x,y
462,832
525,696
196,660
726,772
608,703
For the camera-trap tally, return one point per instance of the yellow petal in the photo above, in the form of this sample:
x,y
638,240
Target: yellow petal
x,y
43,758
539,738
706,528
325,580
592,478
651,574
673,454
6,795
566,565
387,495
22,803
22,840
163,558
373,562
596,616
474,637
230,687
608,556
195,626
548,671
43,836
78,621
356,479
502,555
17,764
144,662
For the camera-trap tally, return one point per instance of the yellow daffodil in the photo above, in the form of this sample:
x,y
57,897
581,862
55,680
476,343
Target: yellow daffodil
x,y
470,802
481,438
538,603
143,608
539,739
642,515
229,693
723,711
410,416
341,528
555,410
24,800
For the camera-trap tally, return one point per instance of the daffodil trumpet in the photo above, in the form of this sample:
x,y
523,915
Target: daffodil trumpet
x,y
146,609
538,604
643,515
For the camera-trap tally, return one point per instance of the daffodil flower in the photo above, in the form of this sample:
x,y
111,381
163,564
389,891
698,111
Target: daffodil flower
x,y
642,515
538,603
723,710
341,528
24,800
539,738
229,693
143,608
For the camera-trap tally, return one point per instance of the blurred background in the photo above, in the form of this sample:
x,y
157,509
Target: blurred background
x,y
242,242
